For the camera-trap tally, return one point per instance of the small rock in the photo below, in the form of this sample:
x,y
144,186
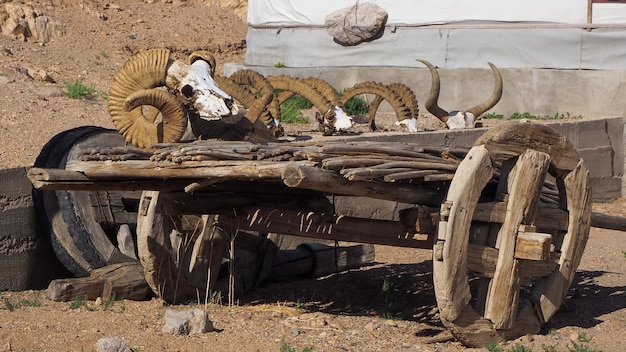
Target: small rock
x,y
295,332
574,337
187,322
98,301
371,326
527,339
111,344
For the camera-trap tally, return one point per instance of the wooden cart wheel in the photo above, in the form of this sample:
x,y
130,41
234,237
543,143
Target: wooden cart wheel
x,y
78,238
182,253
519,201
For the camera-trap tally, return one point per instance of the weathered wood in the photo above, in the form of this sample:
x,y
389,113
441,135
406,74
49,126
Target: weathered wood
x,y
450,265
208,251
125,280
533,246
307,177
551,218
509,140
125,242
525,184
153,228
551,291
328,226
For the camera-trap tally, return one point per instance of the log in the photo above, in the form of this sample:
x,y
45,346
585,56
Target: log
x,y
608,221
124,280
307,177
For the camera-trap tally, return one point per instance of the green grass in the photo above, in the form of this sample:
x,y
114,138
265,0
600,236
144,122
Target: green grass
x,y
356,106
11,306
108,303
290,109
280,65
78,302
77,90
529,116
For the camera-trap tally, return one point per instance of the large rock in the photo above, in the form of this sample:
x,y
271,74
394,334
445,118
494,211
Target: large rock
x,y
23,22
356,24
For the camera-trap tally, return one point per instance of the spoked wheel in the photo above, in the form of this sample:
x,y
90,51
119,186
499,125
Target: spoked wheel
x,y
512,232
182,254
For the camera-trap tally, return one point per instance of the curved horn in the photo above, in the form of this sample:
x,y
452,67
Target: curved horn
x,y
316,98
136,78
382,91
205,56
257,83
433,96
326,89
495,96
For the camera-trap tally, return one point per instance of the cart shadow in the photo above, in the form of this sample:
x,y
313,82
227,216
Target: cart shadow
x,y
587,301
391,291
405,291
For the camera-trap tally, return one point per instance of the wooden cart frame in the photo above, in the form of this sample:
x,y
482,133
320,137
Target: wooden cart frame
x,y
507,220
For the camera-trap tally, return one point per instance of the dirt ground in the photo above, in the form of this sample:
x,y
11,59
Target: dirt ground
x,y
337,313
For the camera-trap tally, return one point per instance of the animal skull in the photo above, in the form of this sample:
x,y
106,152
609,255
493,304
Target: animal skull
x,y
460,119
198,89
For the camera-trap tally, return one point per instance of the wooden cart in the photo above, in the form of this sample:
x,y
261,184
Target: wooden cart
x,y
507,220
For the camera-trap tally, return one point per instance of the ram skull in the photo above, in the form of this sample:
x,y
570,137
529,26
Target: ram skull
x,y
151,83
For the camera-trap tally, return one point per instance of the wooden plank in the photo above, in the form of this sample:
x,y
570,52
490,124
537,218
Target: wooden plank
x,y
327,226
450,264
551,291
526,180
551,218
482,260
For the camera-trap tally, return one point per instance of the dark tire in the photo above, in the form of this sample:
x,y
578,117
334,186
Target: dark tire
x,y
78,240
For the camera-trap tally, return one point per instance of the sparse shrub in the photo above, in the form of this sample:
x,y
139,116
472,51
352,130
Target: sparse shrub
x,y
286,347
77,90
519,348
108,303
78,302
494,346
280,65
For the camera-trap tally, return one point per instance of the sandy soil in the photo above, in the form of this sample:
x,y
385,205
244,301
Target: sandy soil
x,y
337,313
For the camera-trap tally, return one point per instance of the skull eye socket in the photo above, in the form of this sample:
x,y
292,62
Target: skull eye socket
x,y
187,91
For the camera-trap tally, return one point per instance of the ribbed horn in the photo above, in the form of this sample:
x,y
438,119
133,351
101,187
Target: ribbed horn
x,y
432,99
136,79
495,96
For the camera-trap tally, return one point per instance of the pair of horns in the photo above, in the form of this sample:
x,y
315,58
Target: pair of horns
x,y
433,96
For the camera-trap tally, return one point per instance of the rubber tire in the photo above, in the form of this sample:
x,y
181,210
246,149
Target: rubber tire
x,y
78,241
